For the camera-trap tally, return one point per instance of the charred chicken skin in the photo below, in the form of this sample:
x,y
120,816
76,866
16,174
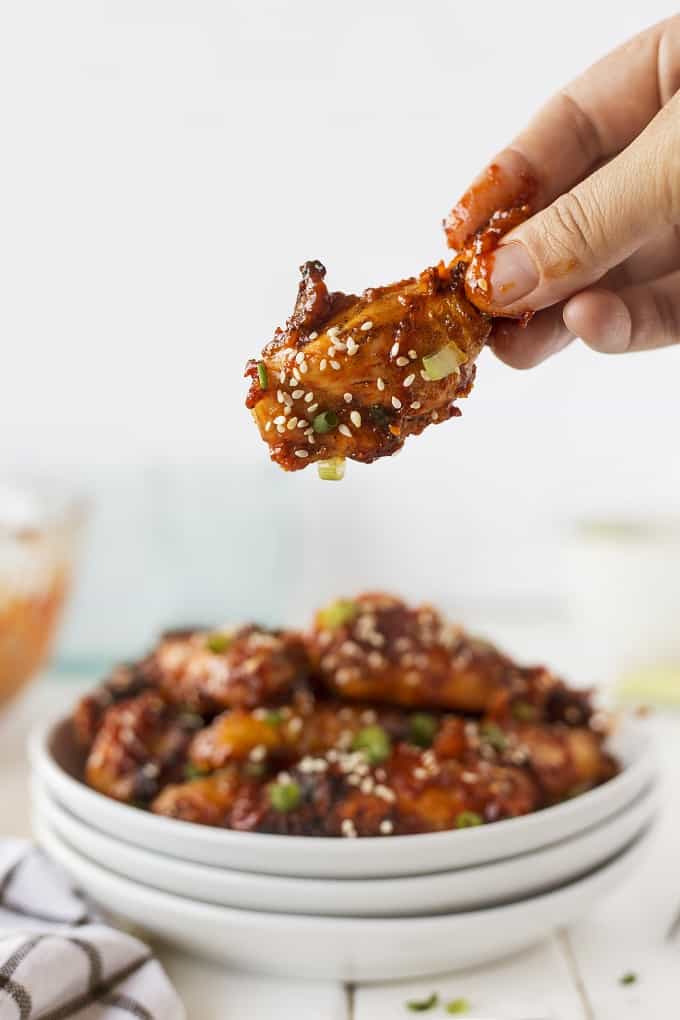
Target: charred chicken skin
x,y
382,719
354,377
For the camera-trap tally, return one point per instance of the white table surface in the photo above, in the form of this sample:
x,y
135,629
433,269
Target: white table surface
x,y
574,975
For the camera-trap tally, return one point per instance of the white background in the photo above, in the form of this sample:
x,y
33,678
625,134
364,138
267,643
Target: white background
x,y
166,167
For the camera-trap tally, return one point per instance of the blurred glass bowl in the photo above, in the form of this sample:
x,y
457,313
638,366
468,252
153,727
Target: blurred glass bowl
x,y
40,526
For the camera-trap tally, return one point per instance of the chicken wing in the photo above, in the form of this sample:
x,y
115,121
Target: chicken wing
x,y
208,671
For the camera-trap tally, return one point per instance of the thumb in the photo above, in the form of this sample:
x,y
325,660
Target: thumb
x,y
588,230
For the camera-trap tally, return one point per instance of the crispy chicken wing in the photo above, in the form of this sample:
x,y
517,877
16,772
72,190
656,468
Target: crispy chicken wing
x,y
207,671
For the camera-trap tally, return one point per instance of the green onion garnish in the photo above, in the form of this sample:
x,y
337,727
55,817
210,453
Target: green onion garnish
x,y
422,1005
374,742
468,820
337,614
192,771
273,717
493,735
262,375
332,470
628,979
284,796
422,729
444,362
218,642
325,421
523,711
458,1006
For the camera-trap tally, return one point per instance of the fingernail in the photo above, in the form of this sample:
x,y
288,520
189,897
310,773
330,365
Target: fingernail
x,y
513,274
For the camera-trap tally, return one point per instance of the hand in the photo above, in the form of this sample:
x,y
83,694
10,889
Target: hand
x,y
602,259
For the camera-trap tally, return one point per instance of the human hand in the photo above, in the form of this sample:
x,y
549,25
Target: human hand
x,y
601,259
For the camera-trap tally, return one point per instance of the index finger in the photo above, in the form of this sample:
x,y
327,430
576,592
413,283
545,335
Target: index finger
x,y
589,121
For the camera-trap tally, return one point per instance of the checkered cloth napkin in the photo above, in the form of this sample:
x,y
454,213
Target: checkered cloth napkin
x,y
57,960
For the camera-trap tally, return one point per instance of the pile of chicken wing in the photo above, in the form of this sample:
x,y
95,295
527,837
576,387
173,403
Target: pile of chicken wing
x,y
381,719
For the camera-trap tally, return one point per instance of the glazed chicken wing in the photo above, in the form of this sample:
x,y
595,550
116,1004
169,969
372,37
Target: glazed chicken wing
x,y
207,671
354,377
141,744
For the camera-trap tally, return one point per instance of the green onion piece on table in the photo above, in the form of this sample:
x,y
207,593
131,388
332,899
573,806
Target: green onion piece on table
x,y
422,1005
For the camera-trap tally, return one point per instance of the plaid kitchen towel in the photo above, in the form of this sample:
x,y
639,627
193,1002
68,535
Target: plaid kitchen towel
x,y
58,961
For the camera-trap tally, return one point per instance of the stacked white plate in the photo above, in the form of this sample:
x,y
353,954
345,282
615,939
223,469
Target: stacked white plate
x,y
346,909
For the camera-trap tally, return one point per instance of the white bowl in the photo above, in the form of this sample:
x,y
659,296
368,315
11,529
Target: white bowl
x,y
443,892
58,762
340,949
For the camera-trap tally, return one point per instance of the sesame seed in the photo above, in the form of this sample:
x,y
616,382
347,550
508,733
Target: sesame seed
x,y
302,423
352,347
394,349
386,827
355,418
365,326
287,409
280,420
279,396
282,376
299,357
435,415
409,379
258,753
322,365
415,405
302,454
296,375
412,355
313,336
309,397
380,384
268,426
367,785
396,403
344,430
331,351
292,423
348,828
419,773
333,331
347,398
304,367
335,365
312,408
297,394
402,361
310,437
280,429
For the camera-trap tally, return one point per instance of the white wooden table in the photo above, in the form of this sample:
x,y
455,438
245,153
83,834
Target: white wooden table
x,y
575,975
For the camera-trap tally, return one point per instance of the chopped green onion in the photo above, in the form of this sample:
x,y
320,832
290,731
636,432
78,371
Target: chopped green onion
x,y
337,614
422,1005
444,362
325,421
468,820
218,642
458,1006
285,796
273,717
628,979
192,771
262,375
374,742
332,470
422,729
493,735
523,711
